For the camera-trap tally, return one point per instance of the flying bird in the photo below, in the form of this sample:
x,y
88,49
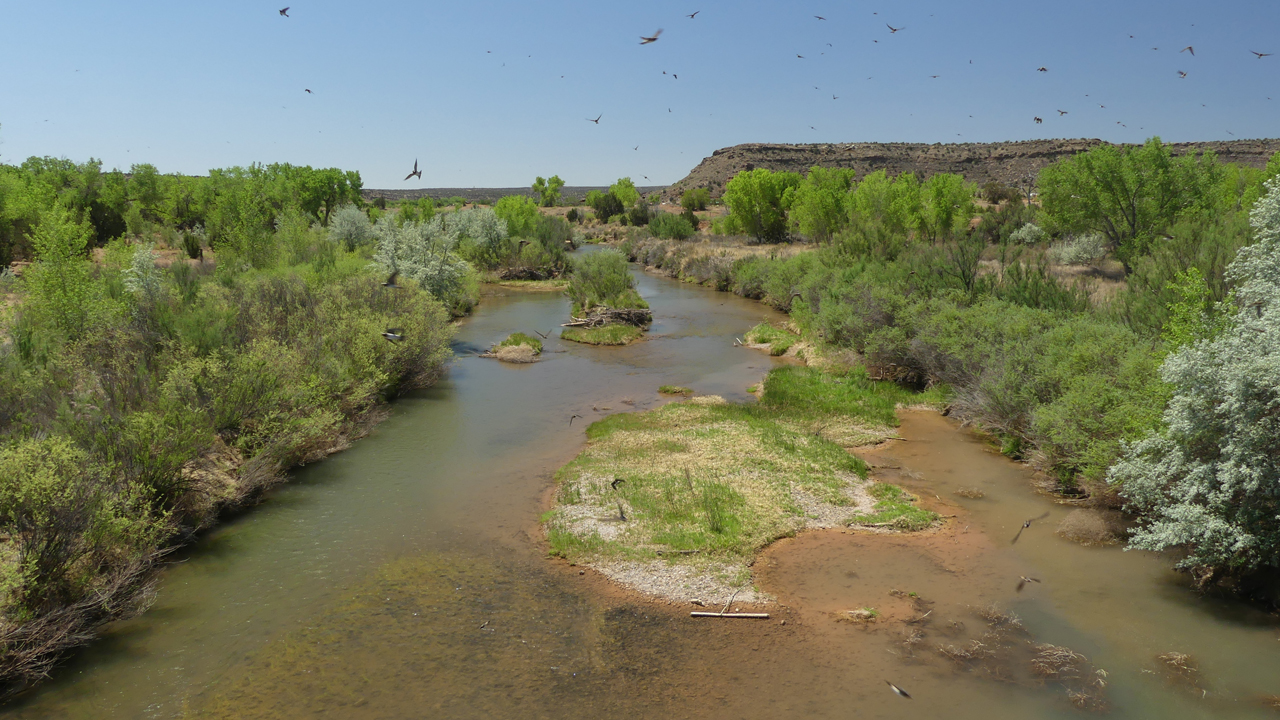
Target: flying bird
x,y
391,280
416,171
646,40
1042,69
897,690
395,335
1039,120
1023,580
1260,55
616,482
694,15
571,417
1026,525
1181,74
833,97
893,30
819,17
284,11
1188,49
597,120
541,335
799,56
1061,113
308,90
935,77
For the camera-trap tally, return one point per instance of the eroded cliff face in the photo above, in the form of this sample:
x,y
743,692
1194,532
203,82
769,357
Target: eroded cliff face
x,y
1011,163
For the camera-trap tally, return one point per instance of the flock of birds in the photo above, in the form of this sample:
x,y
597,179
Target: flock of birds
x,y
892,30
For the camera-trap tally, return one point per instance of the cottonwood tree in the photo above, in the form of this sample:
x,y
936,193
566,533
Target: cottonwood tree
x,y
548,190
1129,194
626,192
1210,480
817,203
757,203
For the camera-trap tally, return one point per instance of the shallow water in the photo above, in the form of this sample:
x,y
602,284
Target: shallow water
x,y
406,578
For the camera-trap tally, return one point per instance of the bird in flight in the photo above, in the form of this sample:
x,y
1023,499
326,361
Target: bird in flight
x,y
571,417
1181,74
1061,113
694,15
897,690
391,281
1026,525
893,30
833,97
616,482
1042,69
597,120
416,171
284,11
308,91
1039,120
819,17
1188,49
646,40
1023,580
935,77
395,335
1260,55
799,56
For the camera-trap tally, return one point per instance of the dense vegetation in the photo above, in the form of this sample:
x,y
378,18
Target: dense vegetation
x,y
1059,372
144,390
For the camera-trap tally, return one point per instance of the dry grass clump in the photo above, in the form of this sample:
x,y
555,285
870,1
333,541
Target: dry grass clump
x,y
1271,702
861,615
974,651
1091,526
517,354
1055,661
1181,669
998,618
971,493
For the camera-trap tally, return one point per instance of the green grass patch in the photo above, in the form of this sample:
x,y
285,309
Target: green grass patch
x,y
896,507
726,479
778,340
519,338
675,390
607,335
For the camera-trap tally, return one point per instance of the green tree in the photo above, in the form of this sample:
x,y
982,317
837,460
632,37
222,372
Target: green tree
x,y
521,215
61,280
894,203
626,192
548,190
817,203
604,204
757,203
946,206
695,199
1130,195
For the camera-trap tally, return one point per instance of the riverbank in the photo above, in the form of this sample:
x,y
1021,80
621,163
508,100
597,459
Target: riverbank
x,y
676,502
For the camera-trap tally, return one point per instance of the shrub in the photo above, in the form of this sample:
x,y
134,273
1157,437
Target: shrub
x,y
1079,250
695,199
605,205
670,227
603,279
573,215
426,252
639,215
1029,234
351,227
519,212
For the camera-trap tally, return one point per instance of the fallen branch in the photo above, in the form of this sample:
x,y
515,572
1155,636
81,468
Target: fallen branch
x,y
757,616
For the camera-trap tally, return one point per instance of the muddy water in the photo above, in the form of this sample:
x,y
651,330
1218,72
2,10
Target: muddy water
x,y
405,578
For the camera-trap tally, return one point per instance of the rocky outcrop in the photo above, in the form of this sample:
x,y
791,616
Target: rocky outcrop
x,y
1011,163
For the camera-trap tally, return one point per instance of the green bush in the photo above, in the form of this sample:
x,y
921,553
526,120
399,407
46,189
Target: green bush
x,y
695,199
602,279
605,205
670,227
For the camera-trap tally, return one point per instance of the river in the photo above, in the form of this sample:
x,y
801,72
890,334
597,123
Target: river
x,y
406,577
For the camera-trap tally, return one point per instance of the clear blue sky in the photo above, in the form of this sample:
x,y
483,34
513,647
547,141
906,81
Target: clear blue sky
x,y
494,93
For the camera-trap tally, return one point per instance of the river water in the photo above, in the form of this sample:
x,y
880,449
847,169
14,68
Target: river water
x,y
406,578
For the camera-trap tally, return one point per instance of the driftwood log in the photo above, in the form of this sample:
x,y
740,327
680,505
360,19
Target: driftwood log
x,y
599,317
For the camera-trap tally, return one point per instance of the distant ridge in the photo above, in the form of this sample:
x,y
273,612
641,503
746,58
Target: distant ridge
x,y
1007,162
474,194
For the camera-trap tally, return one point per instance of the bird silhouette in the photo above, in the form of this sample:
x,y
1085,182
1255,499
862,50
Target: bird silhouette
x,y
897,690
819,17
571,417
284,11
1188,49
597,120
308,90
833,97
1042,69
541,335
395,335
416,171
1039,120
1061,113
1026,525
654,38
935,77
391,280
893,30
1181,74
799,56
694,15
1023,580
616,482
1260,55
